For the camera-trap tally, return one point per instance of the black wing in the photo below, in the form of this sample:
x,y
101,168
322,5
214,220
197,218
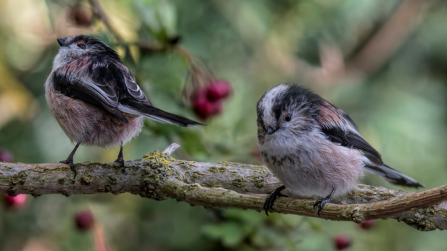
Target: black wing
x,y
339,128
108,84
132,90
99,82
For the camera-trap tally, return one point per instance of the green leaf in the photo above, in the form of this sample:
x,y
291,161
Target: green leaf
x,y
230,234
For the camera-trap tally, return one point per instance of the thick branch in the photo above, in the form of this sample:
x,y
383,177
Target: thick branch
x,y
224,185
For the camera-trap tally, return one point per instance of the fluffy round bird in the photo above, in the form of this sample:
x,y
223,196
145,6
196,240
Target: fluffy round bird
x,y
95,98
313,147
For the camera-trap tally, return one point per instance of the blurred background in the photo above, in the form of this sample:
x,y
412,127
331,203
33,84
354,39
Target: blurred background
x,y
384,62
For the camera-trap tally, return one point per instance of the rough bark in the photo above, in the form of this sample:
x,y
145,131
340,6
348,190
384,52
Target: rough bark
x,y
225,185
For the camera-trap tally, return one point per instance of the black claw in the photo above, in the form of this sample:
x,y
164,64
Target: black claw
x,y
72,166
69,160
268,204
122,164
321,202
120,159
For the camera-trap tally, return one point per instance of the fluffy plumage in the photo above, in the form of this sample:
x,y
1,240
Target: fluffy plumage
x,y
95,98
313,147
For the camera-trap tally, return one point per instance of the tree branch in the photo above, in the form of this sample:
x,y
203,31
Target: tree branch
x,y
390,37
374,54
225,185
99,12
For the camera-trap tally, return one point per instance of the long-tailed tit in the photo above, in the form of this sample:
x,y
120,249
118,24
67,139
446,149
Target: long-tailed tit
x,y
313,147
95,98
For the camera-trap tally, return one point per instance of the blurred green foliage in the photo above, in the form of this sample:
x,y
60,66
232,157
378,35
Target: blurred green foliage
x,y
400,109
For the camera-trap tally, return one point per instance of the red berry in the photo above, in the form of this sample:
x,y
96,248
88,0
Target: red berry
x,y
84,220
79,16
203,107
6,156
218,90
217,107
342,242
15,202
367,224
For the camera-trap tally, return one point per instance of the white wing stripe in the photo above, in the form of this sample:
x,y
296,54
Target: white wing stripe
x,y
129,110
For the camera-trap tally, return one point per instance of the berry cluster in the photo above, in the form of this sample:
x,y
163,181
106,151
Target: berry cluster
x,y
207,101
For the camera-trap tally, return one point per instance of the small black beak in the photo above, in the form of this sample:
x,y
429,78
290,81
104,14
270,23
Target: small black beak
x,y
271,130
61,42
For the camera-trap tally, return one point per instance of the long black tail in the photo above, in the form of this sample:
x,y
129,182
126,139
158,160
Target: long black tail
x,y
393,176
130,106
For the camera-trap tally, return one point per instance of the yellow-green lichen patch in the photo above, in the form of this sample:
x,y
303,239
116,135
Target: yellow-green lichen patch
x,y
86,179
225,163
159,157
259,181
217,169
213,169
238,182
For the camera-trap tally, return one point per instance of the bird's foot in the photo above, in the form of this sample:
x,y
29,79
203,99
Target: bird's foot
x,y
122,163
268,204
120,159
69,161
321,202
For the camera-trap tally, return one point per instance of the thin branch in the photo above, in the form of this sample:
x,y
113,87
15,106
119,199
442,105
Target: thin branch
x,y
390,37
171,148
225,185
100,13
374,54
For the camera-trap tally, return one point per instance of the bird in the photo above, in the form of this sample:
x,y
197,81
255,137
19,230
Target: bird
x,y
313,147
95,98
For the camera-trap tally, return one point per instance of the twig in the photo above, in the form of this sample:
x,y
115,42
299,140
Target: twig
x,y
374,54
99,12
390,37
171,148
223,185
100,238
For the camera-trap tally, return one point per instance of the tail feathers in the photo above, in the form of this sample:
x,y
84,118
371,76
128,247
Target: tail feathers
x,y
155,114
393,176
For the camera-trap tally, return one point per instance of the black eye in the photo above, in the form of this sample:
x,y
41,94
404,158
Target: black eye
x,y
82,45
287,117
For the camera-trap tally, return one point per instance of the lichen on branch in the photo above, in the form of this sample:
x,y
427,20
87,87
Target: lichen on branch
x,y
225,185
